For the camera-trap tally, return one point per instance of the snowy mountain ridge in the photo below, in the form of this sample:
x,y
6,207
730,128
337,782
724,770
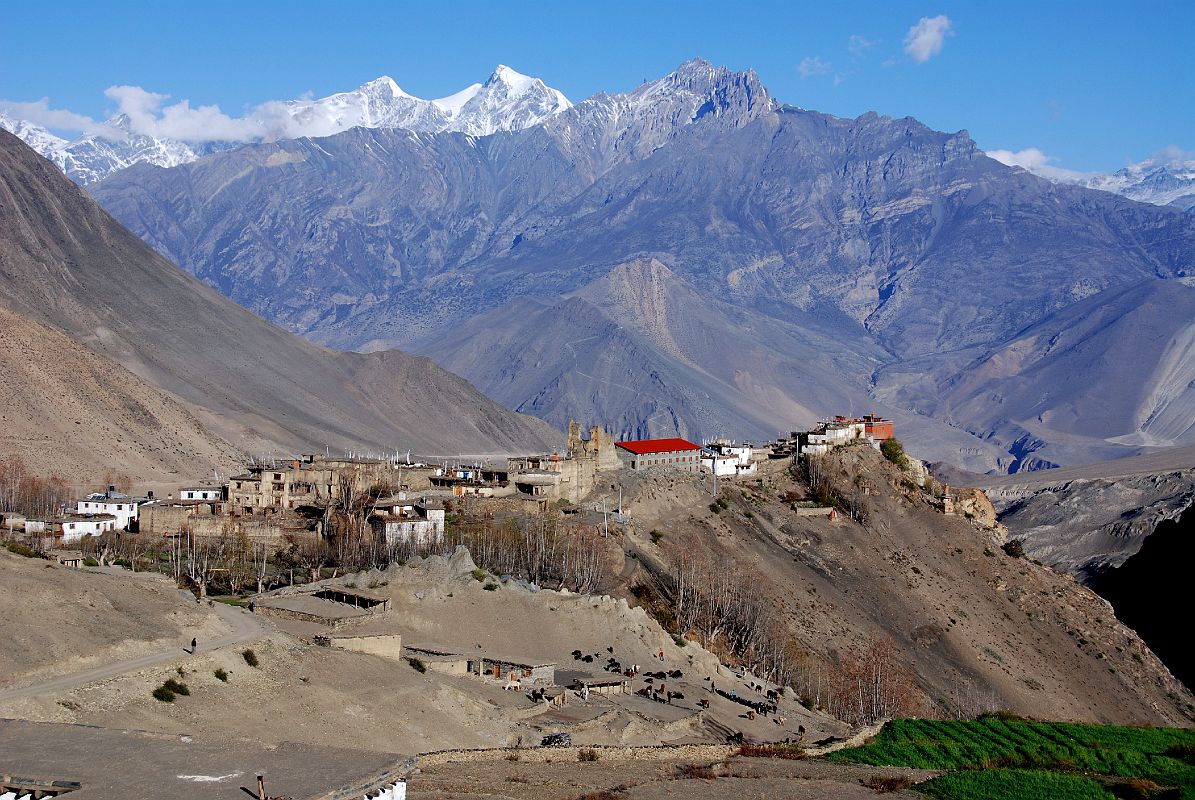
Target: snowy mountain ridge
x,y
1167,179
507,101
1163,183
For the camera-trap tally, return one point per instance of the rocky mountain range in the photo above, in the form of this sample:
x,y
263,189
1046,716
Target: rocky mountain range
x,y
506,101
921,264
194,355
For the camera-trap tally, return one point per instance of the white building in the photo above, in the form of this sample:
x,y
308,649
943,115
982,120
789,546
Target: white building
x,y
726,458
401,520
205,493
828,435
77,526
118,504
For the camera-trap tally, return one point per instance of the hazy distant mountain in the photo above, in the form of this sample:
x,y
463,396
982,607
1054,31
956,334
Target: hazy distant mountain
x,y
1166,180
507,101
1163,183
875,258
66,264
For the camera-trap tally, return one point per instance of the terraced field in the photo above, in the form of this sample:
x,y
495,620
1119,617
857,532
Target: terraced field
x,y
996,757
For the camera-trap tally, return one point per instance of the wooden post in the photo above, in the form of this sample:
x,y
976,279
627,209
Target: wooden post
x,y
261,787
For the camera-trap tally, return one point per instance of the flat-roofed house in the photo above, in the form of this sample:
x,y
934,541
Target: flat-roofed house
x,y
205,493
120,505
400,519
677,454
76,526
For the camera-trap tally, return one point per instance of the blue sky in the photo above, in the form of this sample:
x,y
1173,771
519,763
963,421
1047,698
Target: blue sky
x,y
1095,85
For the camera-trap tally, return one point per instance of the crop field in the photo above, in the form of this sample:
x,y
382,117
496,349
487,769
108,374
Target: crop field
x,y
995,757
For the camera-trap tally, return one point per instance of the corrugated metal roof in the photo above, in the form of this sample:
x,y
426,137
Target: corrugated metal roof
x,y
649,446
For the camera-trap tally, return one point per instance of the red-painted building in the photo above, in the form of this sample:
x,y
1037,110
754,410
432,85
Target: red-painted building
x,y
878,428
669,453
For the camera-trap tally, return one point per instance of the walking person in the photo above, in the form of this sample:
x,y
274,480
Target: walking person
x,y
194,644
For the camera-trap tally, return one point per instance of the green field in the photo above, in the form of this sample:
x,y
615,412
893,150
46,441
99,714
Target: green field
x,y
993,758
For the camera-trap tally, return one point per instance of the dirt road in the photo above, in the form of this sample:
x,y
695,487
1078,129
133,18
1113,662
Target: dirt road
x,y
246,627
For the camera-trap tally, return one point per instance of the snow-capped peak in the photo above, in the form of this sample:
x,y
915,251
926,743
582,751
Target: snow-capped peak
x,y
453,103
517,81
384,84
507,101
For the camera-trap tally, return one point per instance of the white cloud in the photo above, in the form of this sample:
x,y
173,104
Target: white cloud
x,y
925,39
1171,154
859,45
813,65
149,117
39,113
1037,162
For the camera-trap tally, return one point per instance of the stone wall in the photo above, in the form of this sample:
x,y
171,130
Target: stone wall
x,y
543,755
384,645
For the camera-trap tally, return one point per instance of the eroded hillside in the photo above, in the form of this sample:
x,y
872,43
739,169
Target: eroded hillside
x,y
978,627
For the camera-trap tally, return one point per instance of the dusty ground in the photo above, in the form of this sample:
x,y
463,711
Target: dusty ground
x,y
740,778
59,620
309,694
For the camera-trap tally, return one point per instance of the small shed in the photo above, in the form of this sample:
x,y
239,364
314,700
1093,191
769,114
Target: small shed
x,y
356,598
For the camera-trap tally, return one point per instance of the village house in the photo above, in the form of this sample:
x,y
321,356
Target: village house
x,y
676,454
398,519
504,672
117,504
207,494
309,481
475,480
75,526
829,434
571,476
725,458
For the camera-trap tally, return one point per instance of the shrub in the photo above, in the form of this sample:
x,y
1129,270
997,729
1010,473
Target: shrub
x,y
177,687
656,536
479,575
250,657
512,756
163,694
788,751
90,562
680,640
702,772
221,675
1014,548
1182,752
721,503
20,549
587,755
489,587
883,784
417,665
181,672
894,451
717,509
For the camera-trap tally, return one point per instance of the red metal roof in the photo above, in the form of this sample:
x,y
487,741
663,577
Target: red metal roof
x,y
649,446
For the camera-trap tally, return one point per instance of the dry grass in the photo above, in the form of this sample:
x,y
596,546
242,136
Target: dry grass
x,y
883,784
704,772
788,751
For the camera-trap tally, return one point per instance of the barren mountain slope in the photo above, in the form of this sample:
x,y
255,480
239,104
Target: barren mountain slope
x,y
643,348
69,411
64,262
975,624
